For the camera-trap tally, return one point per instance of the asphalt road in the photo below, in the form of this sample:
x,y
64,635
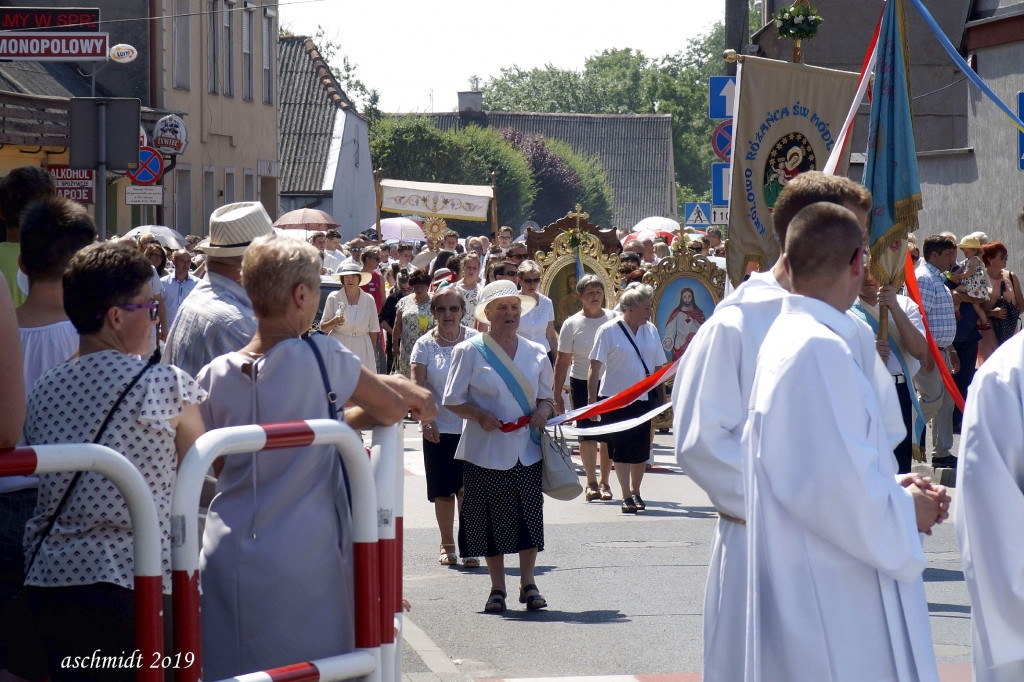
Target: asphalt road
x,y
625,592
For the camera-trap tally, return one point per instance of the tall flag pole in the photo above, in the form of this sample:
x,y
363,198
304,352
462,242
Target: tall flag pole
x,y
891,168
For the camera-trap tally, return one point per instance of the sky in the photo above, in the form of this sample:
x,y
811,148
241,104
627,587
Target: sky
x,y
419,55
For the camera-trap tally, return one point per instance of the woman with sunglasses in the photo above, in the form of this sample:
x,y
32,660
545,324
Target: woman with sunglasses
x,y
80,575
431,359
538,325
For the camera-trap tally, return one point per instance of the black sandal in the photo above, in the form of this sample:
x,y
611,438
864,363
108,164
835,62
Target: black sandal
x,y
639,502
628,506
533,601
495,602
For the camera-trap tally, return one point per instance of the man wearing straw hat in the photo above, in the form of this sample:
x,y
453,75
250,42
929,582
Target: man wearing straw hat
x,y
217,317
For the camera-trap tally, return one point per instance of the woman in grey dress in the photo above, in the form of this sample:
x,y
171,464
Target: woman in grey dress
x,y
276,562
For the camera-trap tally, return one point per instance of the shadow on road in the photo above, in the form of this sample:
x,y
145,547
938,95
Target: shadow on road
x,y
943,575
599,617
657,508
948,608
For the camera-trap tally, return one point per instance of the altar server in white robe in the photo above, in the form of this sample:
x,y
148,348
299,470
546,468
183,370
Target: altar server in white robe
x,y
990,510
835,559
709,404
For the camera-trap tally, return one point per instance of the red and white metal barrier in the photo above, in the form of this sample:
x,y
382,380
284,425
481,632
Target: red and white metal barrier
x,y
366,661
387,457
48,459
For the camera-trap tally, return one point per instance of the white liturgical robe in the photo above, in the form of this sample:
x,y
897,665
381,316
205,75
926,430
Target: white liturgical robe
x,y
989,510
834,569
709,404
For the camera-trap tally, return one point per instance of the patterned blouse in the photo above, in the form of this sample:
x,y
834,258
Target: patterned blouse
x,y
92,540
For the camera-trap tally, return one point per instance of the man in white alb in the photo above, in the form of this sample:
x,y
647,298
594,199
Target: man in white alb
x,y
835,557
990,485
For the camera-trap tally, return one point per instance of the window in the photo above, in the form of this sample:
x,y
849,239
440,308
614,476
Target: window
x,y
209,193
183,200
229,185
182,46
229,48
247,19
249,185
212,31
269,54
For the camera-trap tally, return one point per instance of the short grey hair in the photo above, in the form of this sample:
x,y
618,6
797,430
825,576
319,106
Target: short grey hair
x,y
448,291
714,231
529,266
586,281
635,294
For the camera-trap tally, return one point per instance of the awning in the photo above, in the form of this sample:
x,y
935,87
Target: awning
x,y
464,202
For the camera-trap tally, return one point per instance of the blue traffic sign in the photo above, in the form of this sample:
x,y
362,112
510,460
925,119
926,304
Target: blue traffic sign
x,y
1020,135
151,167
722,92
697,214
720,184
721,140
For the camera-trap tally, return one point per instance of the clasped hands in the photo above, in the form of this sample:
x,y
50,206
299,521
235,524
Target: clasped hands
x,y
931,502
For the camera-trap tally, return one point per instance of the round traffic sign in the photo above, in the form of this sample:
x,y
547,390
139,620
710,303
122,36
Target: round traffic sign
x,y
721,140
151,167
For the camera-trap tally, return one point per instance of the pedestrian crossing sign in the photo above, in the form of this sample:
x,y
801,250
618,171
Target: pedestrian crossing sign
x,y
698,214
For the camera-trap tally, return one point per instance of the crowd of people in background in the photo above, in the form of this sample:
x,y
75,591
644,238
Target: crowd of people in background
x,y
143,347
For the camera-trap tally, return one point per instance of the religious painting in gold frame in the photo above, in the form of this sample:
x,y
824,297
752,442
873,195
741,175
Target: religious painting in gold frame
x,y
687,287
558,273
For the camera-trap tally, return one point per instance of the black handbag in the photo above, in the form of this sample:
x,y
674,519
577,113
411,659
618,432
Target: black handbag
x,y
1006,327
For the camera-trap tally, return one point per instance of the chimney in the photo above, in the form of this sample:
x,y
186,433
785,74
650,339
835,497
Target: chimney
x,y
471,102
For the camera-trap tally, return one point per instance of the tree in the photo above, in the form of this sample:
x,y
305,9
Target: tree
x,y
626,81
516,188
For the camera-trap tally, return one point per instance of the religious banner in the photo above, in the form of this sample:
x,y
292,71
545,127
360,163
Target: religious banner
x,y
787,119
465,202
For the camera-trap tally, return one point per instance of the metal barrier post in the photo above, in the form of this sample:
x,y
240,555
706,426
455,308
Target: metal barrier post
x,y
148,590
384,460
366,661
399,545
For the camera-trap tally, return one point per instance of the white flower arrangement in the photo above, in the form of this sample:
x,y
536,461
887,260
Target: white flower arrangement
x,y
798,22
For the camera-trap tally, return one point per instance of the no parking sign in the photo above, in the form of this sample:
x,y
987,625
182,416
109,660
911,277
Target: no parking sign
x,y
151,167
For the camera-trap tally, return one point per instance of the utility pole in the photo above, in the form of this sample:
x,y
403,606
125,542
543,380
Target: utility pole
x,y
737,20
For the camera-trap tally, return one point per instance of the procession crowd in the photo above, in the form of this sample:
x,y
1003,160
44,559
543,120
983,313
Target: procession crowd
x,y
118,348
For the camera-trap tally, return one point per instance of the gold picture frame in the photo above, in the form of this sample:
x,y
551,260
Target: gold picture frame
x,y
558,273
671,278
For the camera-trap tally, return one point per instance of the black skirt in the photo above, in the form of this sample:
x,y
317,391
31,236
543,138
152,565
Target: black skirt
x,y
632,446
444,472
502,510
578,391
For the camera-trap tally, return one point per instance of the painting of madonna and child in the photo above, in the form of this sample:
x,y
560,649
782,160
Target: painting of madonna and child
x,y
683,306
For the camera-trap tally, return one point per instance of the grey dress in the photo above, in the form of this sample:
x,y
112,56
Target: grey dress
x,y
276,561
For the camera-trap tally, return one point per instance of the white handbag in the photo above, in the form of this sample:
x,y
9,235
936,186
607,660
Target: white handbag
x,y
558,477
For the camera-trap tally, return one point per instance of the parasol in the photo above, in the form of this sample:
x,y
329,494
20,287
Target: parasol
x,y
306,219
163,234
400,228
656,224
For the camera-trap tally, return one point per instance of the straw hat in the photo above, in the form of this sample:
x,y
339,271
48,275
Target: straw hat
x,y
501,289
970,242
351,268
234,226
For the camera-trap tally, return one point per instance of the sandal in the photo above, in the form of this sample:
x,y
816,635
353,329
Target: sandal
x,y
470,562
592,493
448,556
533,601
628,506
606,492
495,602
639,502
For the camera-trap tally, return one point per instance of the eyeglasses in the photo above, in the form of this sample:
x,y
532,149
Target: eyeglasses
x,y
864,255
448,309
153,307
507,273
530,280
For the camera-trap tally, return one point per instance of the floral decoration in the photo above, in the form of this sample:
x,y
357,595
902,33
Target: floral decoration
x,y
799,21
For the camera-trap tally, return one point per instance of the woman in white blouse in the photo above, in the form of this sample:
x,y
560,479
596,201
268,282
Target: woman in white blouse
x,y
468,265
431,359
538,325
350,316
627,350
502,508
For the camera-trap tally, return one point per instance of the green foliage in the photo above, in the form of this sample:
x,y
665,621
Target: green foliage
x,y
516,188
626,81
596,194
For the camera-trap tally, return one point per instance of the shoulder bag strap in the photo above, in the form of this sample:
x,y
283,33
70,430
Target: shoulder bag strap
x,y
153,359
633,343
332,397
